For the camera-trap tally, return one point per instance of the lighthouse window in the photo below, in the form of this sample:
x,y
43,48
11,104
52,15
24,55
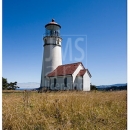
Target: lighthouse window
x,y
58,41
51,32
65,81
45,41
54,82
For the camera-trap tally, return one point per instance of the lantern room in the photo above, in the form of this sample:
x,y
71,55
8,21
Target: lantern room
x,y
52,29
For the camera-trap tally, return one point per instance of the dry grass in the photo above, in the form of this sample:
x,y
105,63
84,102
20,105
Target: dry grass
x,y
65,111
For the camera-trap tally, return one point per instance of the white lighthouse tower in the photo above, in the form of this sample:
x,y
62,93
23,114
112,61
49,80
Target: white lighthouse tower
x,y
52,56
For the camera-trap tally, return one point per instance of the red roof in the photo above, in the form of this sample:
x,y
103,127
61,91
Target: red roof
x,y
67,69
82,72
52,23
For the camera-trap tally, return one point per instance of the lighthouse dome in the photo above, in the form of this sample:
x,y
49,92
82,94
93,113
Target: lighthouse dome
x,y
53,23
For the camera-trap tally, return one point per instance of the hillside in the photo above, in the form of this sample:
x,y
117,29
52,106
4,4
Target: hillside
x,y
112,87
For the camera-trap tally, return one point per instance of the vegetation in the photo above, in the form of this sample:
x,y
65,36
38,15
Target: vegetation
x,y
113,88
8,86
64,110
93,87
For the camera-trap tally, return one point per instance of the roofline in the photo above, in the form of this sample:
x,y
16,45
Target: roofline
x,y
58,75
78,66
89,73
68,64
84,73
71,63
52,24
82,64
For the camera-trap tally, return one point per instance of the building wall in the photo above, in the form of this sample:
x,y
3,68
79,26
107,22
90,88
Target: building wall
x,y
81,83
80,67
52,58
78,83
60,83
86,82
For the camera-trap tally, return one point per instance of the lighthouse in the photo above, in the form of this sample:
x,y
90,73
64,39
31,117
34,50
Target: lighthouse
x,y
52,55
56,76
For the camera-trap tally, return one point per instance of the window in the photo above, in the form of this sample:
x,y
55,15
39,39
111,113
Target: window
x,y
65,81
51,32
58,41
45,41
54,82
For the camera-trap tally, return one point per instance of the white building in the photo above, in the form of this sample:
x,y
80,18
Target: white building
x,y
56,76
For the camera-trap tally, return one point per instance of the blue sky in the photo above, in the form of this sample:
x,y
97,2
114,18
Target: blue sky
x,y
104,22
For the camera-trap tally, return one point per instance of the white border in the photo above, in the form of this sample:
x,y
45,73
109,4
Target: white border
x,y
128,60
1,62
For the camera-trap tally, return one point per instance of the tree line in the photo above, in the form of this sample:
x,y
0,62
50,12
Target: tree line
x,y
8,86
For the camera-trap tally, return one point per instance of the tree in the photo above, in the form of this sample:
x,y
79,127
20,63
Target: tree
x,y
4,83
8,86
12,86
93,87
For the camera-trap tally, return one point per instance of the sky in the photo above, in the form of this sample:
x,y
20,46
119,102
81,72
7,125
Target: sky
x,y
101,24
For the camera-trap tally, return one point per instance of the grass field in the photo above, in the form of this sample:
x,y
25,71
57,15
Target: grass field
x,y
64,110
